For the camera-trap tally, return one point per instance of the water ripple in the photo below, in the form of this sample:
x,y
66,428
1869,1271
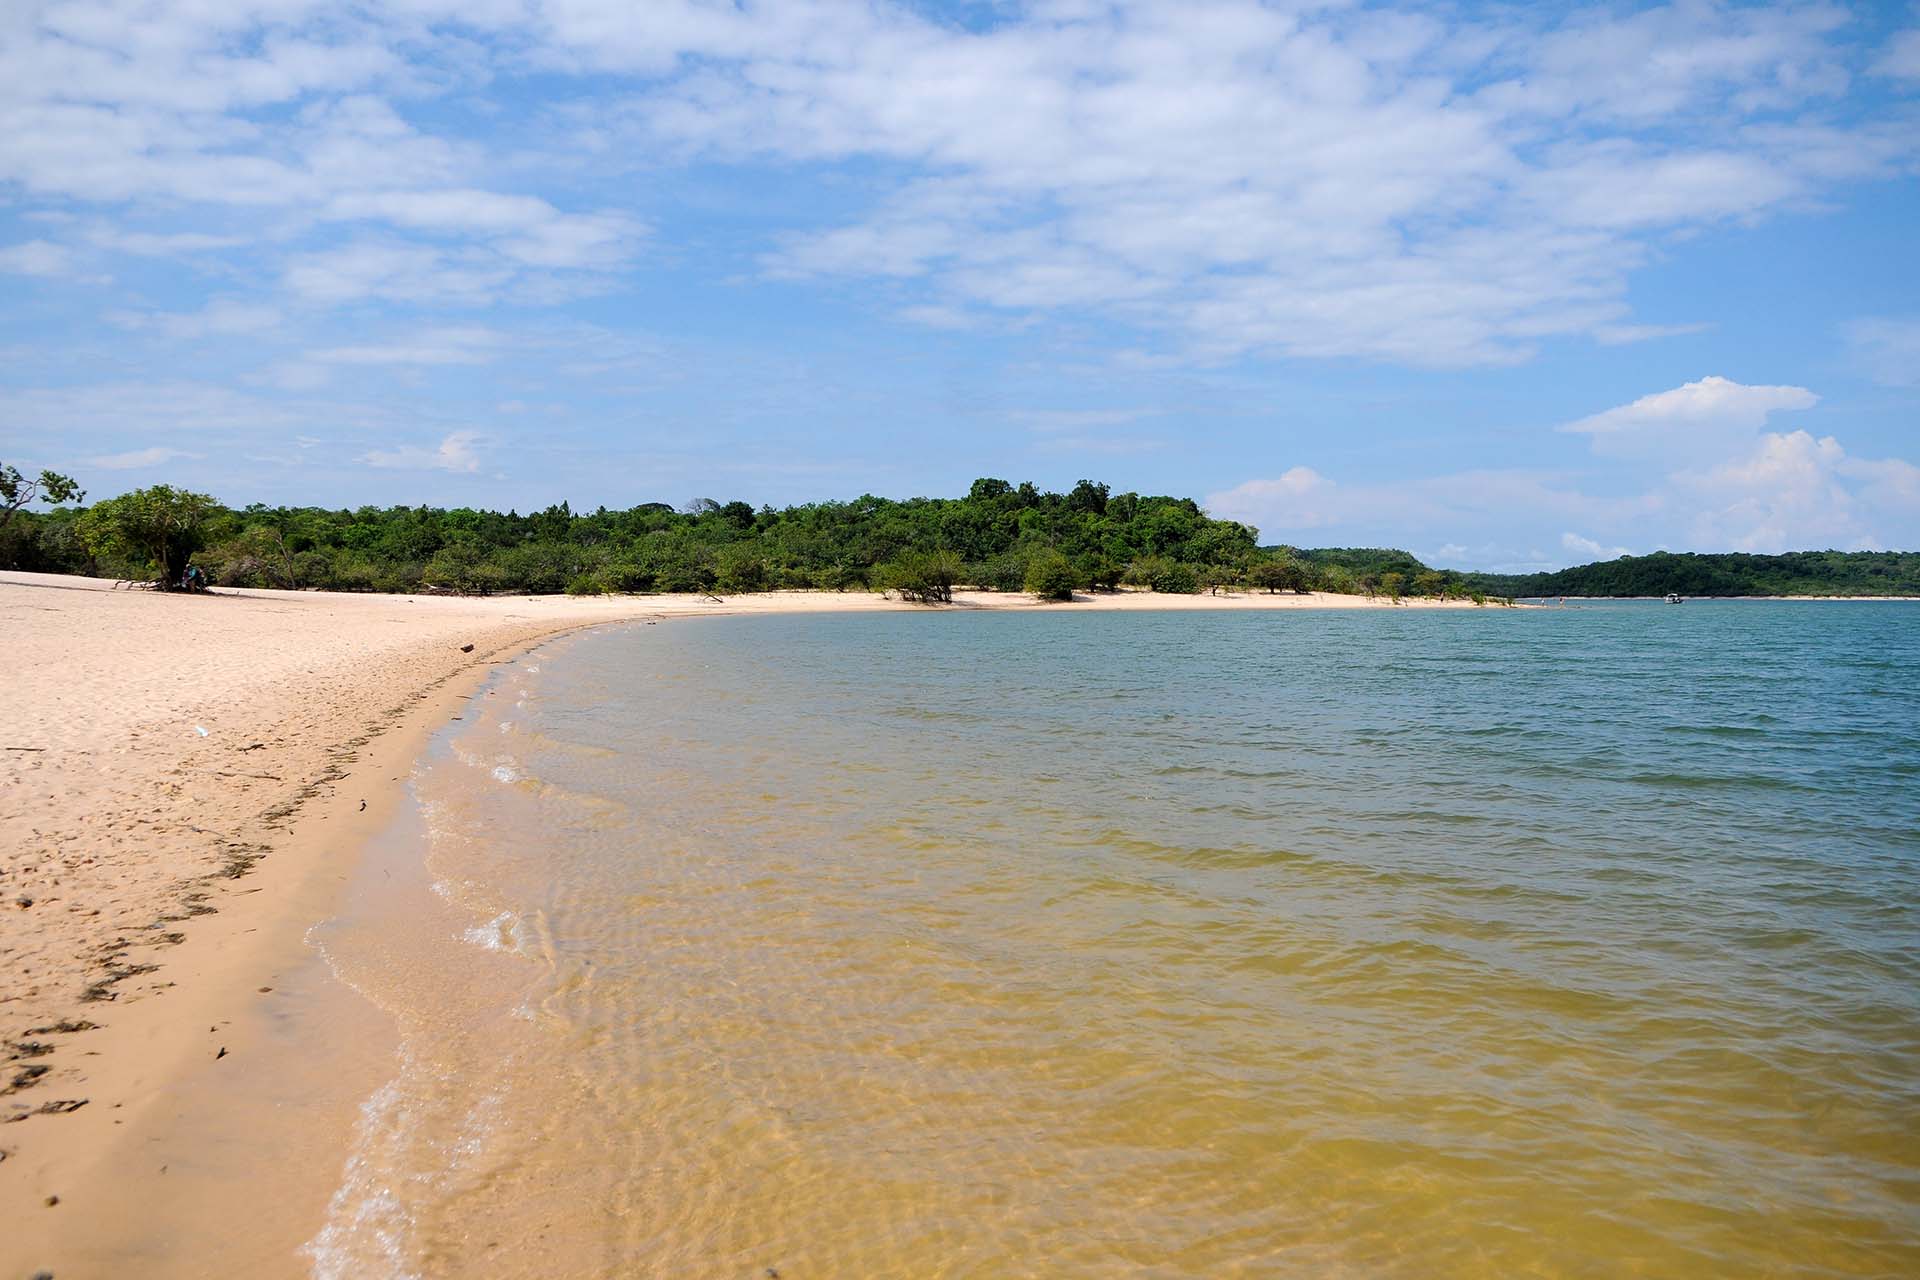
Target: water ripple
x,y
1573,943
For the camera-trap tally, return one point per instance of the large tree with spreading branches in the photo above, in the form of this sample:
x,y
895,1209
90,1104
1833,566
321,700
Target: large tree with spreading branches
x,y
16,490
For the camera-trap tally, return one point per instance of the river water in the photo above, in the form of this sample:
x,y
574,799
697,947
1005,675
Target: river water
x,y
1562,942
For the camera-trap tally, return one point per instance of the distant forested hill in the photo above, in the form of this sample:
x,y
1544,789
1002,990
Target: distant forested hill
x,y
1797,573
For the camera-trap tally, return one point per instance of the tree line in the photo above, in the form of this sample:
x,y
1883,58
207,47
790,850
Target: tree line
x,y
999,537
1794,573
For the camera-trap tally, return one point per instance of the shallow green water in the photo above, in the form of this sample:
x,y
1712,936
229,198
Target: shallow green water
x,y
1561,943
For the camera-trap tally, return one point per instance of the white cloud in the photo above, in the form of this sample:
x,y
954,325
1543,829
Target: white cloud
x,y
1716,481
156,244
458,451
1591,549
273,112
1789,494
1300,498
109,411
136,459
1901,58
432,347
1693,420
1889,482
1710,401
1336,184
221,316
396,271
524,229
939,317
1674,61
1320,182
455,209
1782,492
1794,491
1888,349
1619,335
36,258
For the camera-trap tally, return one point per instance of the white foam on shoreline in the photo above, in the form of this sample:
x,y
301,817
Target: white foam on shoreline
x,y
502,933
367,1229
394,1168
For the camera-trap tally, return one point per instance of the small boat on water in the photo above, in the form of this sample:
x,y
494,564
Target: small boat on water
x,y
1674,597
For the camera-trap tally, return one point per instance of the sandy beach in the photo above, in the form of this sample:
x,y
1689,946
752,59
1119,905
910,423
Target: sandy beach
x,y
188,782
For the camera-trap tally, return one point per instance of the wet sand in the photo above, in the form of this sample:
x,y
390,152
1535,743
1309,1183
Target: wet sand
x,y
189,785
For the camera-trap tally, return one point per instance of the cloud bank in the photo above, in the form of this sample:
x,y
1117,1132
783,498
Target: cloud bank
x,y
1765,491
1233,176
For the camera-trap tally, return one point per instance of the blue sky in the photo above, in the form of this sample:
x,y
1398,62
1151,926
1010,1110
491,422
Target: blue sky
x,y
1510,286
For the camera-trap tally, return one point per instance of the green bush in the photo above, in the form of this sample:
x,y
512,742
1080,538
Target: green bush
x,y
837,577
1176,579
313,568
353,572
463,568
400,577
1216,578
685,569
1280,573
927,577
1336,578
1051,576
629,573
1001,573
588,584
1101,571
742,569
1144,569
541,568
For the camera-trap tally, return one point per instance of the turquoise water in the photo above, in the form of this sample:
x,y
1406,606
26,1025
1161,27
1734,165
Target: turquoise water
x,y
1557,942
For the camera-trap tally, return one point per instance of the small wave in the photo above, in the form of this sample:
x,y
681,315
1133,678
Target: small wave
x,y
1715,730
367,1227
1710,781
498,934
506,773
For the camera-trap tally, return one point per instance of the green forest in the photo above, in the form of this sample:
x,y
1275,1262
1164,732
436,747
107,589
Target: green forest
x,y
1795,573
999,537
